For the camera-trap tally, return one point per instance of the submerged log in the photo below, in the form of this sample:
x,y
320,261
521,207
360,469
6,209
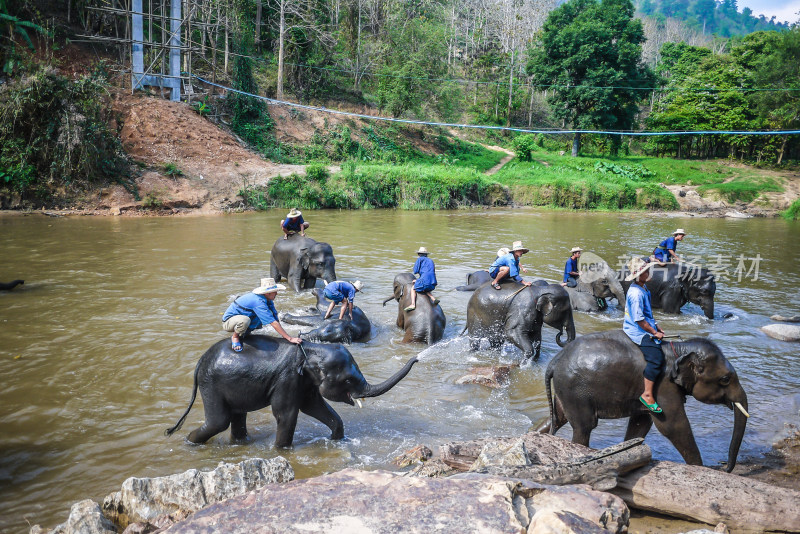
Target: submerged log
x,y
542,449
599,469
703,494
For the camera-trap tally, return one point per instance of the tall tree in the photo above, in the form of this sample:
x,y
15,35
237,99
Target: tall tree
x,y
592,53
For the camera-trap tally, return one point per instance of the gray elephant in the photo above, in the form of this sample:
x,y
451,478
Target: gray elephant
x,y
516,314
599,376
331,330
426,323
598,283
271,371
301,260
8,286
674,284
475,280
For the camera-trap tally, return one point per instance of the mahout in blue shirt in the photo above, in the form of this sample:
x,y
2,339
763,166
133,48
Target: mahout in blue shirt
x,y
258,308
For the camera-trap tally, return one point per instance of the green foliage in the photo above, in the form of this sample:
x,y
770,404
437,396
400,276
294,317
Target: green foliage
x,y
412,187
711,17
741,191
201,108
11,25
793,212
172,170
525,146
634,172
54,135
586,47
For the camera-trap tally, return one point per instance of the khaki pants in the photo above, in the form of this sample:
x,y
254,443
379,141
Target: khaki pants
x,y
238,324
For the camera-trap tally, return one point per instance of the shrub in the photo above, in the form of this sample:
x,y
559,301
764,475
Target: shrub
x,y
793,213
524,146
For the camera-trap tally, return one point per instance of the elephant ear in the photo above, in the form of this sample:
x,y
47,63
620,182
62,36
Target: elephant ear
x,y
685,369
313,370
304,259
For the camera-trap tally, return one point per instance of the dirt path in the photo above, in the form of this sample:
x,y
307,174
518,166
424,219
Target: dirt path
x,y
510,155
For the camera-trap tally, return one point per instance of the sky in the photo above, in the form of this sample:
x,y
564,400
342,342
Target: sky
x,y
784,10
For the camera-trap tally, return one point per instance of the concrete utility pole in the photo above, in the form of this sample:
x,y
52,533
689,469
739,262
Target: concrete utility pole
x,y
140,77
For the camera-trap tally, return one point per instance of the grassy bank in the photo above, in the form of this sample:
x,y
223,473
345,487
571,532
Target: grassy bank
x,y
793,213
409,186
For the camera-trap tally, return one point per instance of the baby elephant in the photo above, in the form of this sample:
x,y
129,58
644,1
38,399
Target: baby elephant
x,y
331,330
291,378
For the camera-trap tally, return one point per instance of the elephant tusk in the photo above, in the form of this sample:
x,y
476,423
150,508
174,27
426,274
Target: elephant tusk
x,y
361,405
741,409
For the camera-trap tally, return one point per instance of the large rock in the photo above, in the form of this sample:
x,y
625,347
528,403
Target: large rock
x,y
145,499
496,376
502,454
85,517
784,332
380,502
792,319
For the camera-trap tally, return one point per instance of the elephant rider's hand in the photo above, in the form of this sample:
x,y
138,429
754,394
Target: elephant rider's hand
x,y
295,340
526,284
524,270
659,335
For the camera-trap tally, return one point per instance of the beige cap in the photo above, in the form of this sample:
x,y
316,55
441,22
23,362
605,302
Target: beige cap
x,y
268,285
637,266
502,252
294,212
422,250
576,249
679,231
358,284
517,245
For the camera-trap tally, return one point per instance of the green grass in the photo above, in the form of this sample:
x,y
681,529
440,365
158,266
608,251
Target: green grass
x,y
409,186
793,213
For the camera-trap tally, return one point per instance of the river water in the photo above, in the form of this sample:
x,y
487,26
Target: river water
x,y
98,348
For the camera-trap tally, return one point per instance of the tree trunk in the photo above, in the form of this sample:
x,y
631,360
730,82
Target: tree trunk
x,y
281,37
257,37
358,49
576,145
783,147
510,90
702,494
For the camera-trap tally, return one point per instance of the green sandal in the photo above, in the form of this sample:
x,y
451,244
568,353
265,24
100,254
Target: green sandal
x,y
655,408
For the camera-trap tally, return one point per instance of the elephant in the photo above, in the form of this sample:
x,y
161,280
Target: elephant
x,y
10,285
475,280
595,285
599,376
426,323
271,371
331,330
516,314
674,284
301,260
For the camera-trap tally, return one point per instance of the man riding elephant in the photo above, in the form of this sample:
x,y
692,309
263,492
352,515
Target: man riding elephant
x,y
507,266
294,223
571,271
251,311
426,282
665,251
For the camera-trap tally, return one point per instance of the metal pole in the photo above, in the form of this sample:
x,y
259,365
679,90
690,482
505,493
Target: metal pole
x,y
175,48
137,47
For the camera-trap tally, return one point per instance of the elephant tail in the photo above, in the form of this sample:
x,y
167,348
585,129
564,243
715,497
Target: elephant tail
x,y
179,424
548,376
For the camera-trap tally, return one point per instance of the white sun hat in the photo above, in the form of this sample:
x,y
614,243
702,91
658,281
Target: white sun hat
x,y
679,231
502,252
358,284
636,267
294,212
422,250
517,245
268,285
576,249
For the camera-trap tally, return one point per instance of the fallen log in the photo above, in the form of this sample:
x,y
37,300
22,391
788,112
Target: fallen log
x,y
599,469
710,496
542,449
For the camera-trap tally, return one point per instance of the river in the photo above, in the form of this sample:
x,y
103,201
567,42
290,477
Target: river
x,y
98,348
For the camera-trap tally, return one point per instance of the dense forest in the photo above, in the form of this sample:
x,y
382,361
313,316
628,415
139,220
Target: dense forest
x,y
530,64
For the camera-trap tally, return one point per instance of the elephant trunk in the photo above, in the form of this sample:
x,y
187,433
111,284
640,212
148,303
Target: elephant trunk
x,y
739,423
386,385
569,327
708,307
329,275
619,293
387,300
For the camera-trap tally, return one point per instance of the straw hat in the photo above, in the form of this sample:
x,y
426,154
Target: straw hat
x,y
517,245
502,252
268,285
679,231
358,284
636,267
294,212
576,249
422,250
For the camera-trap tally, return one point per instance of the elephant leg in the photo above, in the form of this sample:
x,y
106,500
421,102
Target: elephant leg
x,y
320,410
674,425
561,420
273,270
309,283
239,426
218,418
287,421
519,338
638,426
580,415
536,339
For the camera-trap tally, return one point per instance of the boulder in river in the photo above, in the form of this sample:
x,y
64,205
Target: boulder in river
x,y
420,453
383,502
85,517
784,332
495,376
145,499
792,319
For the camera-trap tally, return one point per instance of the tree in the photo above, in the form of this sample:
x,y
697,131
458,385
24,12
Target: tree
x,y
592,53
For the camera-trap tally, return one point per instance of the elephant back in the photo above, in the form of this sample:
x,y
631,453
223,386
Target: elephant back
x,y
590,357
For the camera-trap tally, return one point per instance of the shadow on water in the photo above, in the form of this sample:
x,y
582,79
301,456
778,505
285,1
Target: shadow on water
x,y
98,348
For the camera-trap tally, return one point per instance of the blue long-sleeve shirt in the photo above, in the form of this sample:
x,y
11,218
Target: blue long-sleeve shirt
x,y
294,225
638,308
662,250
570,267
426,270
511,262
258,308
338,291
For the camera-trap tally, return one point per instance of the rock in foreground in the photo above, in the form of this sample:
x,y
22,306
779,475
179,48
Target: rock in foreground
x,y
381,502
783,332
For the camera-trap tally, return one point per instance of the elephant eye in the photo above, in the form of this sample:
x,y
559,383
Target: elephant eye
x,y
725,380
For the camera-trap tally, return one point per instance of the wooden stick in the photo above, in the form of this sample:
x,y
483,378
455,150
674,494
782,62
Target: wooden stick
x,y
515,292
